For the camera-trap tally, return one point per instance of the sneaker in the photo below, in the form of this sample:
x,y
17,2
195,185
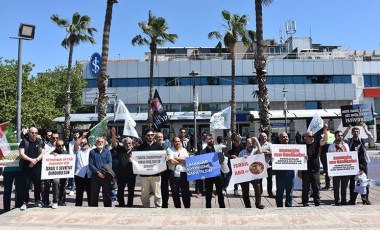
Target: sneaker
x,y
38,204
260,206
71,193
23,207
236,193
54,206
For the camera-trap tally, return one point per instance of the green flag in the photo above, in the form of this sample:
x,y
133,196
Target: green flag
x,y
99,130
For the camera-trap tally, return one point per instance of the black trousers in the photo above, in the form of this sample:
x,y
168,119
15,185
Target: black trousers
x,y
340,184
130,182
311,178
209,183
178,184
82,184
32,175
245,191
96,184
165,176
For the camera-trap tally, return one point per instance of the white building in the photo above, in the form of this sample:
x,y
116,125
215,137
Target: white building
x,y
315,77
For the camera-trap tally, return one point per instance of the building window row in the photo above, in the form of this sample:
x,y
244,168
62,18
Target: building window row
x,y
224,80
371,80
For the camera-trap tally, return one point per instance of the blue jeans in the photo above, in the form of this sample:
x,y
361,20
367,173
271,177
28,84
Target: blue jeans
x,y
284,182
9,177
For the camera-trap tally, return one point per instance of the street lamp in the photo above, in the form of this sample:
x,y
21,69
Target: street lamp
x,y
284,91
195,100
25,32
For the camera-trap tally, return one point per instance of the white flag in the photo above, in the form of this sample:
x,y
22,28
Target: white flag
x,y
221,120
316,123
122,113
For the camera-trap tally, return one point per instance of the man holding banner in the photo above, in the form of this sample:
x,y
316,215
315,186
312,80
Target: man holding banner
x,y
150,182
252,147
311,177
356,143
218,180
339,182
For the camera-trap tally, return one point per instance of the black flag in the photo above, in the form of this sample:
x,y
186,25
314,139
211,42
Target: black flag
x,y
160,118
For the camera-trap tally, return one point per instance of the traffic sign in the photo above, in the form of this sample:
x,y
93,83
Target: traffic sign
x,y
95,63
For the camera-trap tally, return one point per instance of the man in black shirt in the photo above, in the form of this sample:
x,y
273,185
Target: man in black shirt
x,y
218,180
124,169
31,150
150,182
311,177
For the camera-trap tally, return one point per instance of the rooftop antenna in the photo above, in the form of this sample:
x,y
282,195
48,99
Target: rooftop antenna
x,y
291,27
281,39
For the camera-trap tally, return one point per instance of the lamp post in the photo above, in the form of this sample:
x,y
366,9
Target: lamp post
x,y
195,100
25,32
284,91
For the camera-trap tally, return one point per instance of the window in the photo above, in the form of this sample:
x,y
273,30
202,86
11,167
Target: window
x,y
313,105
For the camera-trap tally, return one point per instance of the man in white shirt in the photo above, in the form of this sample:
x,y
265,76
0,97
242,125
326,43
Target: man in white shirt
x,y
252,146
178,181
82,176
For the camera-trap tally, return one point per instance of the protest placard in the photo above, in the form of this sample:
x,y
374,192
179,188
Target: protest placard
x,y
247,169
289,157
342,163
357,114
202,166
148,162
58,166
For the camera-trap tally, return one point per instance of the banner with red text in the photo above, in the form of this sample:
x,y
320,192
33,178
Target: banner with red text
x,y
247,169
342,163
58,166
289,157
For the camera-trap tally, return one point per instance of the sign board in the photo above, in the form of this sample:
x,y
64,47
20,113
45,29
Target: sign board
x,y
95,64
342,163
149,162
58,166
247,169
202,166
357,114
289,157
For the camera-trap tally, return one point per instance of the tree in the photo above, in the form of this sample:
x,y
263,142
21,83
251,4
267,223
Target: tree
x,y
260,66
42,94
103,78
156,33
78,31
236,28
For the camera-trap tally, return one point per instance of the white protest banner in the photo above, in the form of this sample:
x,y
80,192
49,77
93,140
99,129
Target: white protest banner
x,y
58,166
247,169
149,162
289,157
316,123
342,163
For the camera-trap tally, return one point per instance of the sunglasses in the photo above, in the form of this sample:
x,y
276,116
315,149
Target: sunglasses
x,y
150,134
310,136
33,132
60,146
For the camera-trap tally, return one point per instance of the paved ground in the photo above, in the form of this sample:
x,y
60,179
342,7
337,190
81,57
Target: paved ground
x,y
235,216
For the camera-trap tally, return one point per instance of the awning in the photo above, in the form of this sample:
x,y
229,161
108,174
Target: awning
x,y
300,114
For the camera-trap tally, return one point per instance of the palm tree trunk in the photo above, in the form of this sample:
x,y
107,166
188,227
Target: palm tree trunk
x,y
153,50
260,65
233,102
68,93
103,78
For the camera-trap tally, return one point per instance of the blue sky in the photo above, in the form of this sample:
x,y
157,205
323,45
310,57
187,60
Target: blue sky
x,y
349,24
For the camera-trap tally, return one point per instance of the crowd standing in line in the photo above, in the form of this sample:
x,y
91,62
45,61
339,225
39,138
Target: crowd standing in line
x,y
97,169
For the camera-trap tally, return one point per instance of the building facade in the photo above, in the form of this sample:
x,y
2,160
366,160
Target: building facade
x,y
313,76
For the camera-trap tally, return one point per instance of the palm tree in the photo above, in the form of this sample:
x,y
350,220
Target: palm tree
x,y
78,31
103,78
156,33
235,27
260,66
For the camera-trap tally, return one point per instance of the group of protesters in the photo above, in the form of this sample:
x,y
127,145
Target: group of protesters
x,y
107,167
